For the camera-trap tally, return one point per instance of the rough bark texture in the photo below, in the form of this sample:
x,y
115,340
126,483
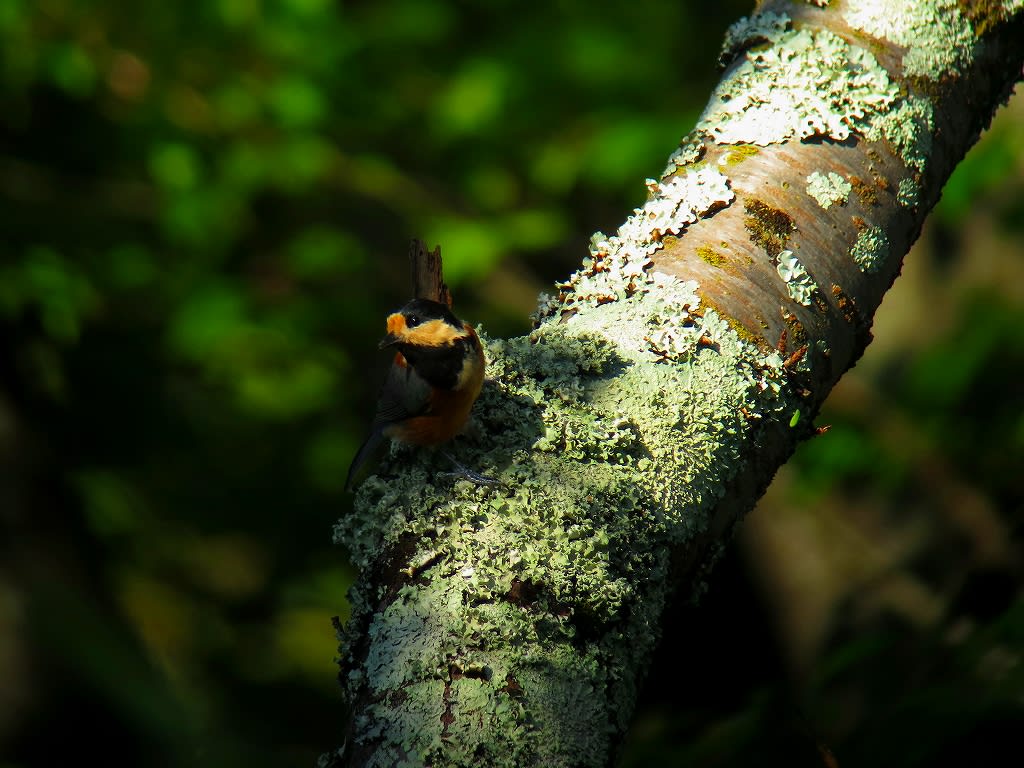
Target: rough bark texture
x,y
661,389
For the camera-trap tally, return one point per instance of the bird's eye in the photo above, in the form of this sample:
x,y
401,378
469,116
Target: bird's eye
x,y
412,321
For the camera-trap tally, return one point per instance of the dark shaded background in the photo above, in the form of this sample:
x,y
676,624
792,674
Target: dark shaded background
x,y
204,214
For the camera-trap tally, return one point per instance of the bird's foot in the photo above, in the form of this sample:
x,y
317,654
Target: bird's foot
x,y
463,472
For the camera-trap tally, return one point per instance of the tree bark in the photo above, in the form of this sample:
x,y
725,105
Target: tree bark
x,y
660,390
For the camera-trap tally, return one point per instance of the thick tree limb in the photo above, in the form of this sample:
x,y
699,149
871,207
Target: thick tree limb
x,y
661,389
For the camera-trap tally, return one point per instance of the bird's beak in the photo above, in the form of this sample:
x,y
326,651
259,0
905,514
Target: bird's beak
x,y
396,327
388,341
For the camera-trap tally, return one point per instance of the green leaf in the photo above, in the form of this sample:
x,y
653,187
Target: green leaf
x,y
287,392
296,103
534,229
72,70
321,251
301,162
471,247
174,166
209,317
12,12
473,99
130,265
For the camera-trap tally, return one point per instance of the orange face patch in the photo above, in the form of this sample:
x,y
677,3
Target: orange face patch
x,y
396,324
433,333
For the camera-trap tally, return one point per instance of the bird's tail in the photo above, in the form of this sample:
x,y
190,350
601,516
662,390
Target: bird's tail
x,y
363,454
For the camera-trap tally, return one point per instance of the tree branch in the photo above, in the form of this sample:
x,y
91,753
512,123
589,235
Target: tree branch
x,y
661,389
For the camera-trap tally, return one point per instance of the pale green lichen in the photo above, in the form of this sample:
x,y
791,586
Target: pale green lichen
x,y
908,128
756,28
938,38
828,190
690,150
871,249
909,193
681,200
807,83
618,266
799,283
614,431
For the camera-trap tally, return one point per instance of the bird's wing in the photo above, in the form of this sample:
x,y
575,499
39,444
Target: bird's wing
x,y
405,394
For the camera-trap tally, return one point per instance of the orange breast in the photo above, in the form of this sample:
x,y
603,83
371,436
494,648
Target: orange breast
x,y
449,409
448,414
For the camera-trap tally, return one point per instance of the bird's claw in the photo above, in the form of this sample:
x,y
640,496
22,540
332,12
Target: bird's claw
x,y
465,473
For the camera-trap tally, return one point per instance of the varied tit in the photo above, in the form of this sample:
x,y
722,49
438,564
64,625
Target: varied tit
x,y
432,384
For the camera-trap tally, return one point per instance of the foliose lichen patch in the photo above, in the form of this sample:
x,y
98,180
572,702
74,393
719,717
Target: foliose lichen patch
x,y
690,150
908,129
938,37
618,266
871,249
756,28
828,189
799,283
908,193
807,83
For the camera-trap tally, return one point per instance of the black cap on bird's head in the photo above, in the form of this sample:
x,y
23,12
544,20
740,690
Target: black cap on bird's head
x,y
423,322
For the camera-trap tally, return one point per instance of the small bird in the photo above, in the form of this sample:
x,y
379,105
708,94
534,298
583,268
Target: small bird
x,y
432,384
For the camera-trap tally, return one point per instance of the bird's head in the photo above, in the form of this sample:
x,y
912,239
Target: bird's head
x,y
423,323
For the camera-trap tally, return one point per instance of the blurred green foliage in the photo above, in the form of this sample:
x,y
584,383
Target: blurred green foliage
x,y
204,215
